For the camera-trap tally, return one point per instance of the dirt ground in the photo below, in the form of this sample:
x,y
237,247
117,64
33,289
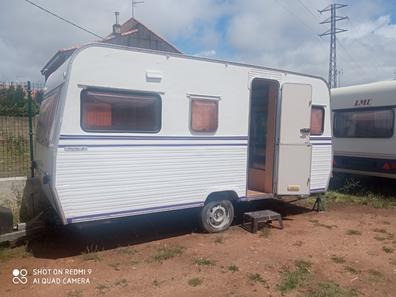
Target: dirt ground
x,y
348,250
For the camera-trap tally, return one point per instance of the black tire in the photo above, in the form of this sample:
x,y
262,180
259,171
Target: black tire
x,y
217,216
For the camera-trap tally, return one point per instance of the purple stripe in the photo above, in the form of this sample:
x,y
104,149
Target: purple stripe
x,y
323,143
133,212
317,190
148,145
319,138
112,137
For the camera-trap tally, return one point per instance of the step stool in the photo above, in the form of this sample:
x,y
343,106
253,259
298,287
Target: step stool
x,y
254,218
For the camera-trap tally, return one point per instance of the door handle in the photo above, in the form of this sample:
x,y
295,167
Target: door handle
x,y
305,130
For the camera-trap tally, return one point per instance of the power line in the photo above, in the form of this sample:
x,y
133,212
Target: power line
x,y
63,19
307,9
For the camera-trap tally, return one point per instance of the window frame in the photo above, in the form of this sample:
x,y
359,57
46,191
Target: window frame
x,y
47,139
203,98
377,108
323,120
124,92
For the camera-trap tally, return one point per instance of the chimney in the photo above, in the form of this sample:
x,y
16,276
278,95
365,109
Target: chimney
x,y
116,26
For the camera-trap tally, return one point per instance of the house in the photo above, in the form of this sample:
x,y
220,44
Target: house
x,y
132,33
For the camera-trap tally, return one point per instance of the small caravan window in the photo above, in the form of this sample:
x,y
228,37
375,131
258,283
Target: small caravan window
x,y
204,115
113,111
46,117
317,120
374,123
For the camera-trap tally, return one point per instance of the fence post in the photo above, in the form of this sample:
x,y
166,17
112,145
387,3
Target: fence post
x,y
30,128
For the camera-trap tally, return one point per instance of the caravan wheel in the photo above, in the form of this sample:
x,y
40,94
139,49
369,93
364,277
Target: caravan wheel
x,y
217,216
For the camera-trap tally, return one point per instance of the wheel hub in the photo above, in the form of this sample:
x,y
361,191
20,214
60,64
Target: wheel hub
x,y
218,216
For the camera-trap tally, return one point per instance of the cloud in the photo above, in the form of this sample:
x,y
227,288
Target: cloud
x,y
274,33
208,53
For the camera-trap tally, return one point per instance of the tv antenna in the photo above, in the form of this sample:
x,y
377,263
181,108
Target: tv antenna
x,y
134,4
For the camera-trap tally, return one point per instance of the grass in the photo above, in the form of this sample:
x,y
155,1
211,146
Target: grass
x,y
157,283
116,266
380,238
195,281
102,289
338,259
353,232
388,250
352,270
265,231
126,251
380,230
168,252
392,262
203,262
375,275
91,254
360,197
256,278
7,253
291,280
74,293
233,268
121,283
330,289
219,239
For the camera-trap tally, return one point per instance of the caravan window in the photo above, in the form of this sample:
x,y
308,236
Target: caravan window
x,y
46,117
374,123
113,111
204,115
317,120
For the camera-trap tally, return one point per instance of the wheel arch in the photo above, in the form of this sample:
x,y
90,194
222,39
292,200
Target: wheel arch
x,y
229,195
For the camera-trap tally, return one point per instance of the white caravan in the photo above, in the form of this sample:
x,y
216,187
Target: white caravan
x,y
363,127
125,131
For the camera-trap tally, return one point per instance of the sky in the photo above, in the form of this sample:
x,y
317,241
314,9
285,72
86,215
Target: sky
x,y
274,33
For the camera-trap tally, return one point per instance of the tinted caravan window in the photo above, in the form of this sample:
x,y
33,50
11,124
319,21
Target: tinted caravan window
x,y
204,115
317,120
376,123
111,111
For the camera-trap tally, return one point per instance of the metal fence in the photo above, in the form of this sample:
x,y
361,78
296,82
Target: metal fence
x,y
14,146
16,132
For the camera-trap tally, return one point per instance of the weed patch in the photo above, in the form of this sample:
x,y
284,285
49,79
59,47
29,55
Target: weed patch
x,y
338,259
102,289
375,275
265,231
116,266
121,283
195,281
330,289
168,252
291,280
353,232
203,262
91,254
233,268
388,249
256,278
219,239
352,270
7,253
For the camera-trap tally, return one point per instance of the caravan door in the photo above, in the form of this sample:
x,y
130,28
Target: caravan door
x,y
293,144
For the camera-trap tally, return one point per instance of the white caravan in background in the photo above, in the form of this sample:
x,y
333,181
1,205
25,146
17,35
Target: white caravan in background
x,y
363,127
125,131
